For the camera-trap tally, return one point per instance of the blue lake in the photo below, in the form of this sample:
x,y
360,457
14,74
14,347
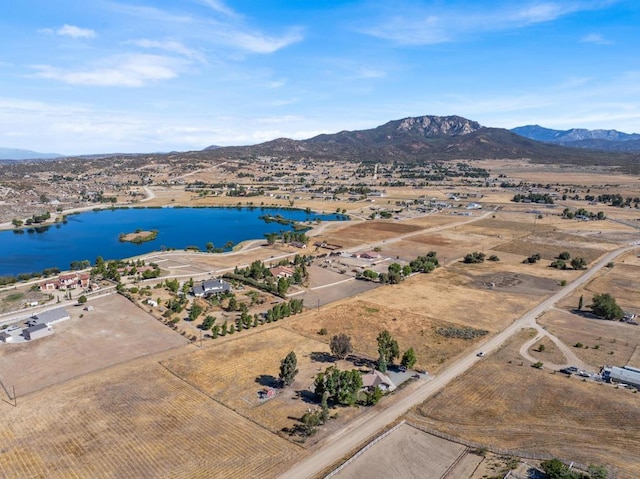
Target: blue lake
x,y
86,236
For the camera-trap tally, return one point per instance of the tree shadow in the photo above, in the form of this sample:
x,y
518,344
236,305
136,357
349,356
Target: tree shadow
x,y
267,380
307,396
322,357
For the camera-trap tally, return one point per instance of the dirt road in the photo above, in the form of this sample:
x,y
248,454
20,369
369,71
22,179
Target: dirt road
x,y
337,445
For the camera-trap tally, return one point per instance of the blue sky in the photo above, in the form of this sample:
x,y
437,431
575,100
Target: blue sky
x,y
97,76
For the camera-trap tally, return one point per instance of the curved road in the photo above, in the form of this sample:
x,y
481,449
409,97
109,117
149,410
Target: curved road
x,y
358,431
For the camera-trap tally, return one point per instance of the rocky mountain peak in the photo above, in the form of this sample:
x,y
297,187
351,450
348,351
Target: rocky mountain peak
x,y
434,126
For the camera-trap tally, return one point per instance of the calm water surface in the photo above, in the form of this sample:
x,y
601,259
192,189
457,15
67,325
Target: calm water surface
x,y
95,233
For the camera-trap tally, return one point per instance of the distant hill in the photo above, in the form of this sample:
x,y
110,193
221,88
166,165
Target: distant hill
x,y
17,154
424,139
608,140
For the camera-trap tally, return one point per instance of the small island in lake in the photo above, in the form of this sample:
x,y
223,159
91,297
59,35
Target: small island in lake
x,y
138,236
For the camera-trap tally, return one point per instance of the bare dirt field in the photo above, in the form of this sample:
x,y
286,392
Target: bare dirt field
x,y
366,232
116,331
409,452
134,420
505,403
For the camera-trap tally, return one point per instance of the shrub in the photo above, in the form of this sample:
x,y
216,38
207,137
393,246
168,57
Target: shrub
x,y
538,365
493,257
461,333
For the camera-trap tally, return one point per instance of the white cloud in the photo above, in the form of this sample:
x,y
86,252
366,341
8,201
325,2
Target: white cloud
x,y
171,46
596,38
129,70
220,7
420,26
75,32
257,42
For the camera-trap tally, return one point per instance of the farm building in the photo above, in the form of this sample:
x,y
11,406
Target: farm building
x,y
37,331
625,375
209,287
49,317
376,378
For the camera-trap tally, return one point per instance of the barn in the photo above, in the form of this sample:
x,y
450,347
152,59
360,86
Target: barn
x,y
625,375
36,332
49,317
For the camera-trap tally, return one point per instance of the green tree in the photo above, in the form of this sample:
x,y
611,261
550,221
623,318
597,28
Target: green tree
x,y
556,469
288,369
195,311
341,387
233,304
341,345
82,299
578,263
387,348
409,358
283,286
209,246
605,306
565,255
17,222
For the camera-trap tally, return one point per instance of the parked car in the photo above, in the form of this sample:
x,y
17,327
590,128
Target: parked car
x,y
13,328
480,354
402,369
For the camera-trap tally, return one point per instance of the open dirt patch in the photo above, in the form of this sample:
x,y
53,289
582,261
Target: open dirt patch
x,y
516,283
114,332
406,452
503,402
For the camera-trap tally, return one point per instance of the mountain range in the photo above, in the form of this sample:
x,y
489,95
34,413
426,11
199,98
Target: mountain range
x,y
427,138
608,140
17,154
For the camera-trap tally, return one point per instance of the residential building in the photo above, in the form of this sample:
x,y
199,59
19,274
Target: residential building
x,y
210,287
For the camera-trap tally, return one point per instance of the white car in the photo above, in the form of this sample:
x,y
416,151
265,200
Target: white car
x,y
480,354
13,328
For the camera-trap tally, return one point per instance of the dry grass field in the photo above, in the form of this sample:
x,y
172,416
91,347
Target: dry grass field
x,y
115,331
604,342
502,403
233,371
135,420
409,452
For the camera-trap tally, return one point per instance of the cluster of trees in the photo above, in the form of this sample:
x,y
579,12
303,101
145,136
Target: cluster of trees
x,y
257,274
339,387
388,350
246,320
533,198
556,469
35,219
287,237
561,262
476,257
534,258
582,213
425,264
605,306
615,200
397,273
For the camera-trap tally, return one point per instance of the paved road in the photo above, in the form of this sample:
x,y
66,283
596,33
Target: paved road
x,y
336,446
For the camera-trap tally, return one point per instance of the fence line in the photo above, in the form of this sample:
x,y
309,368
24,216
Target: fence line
x,y
540,456
363,450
